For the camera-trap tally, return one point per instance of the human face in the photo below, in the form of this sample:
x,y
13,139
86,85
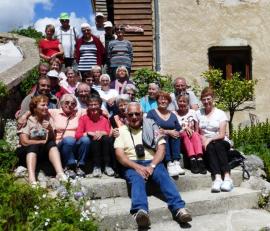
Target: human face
x,y
182,104
49,33
44,87
89,80
134,116
131,94
71,78
108,31
162,102
54,82
207,102
68,106
104,82
96,75
86,32
121,73
43,71
93,108
152,91
64,23
99,21
83,93
122,107
120,34
180,86
42,109
55,66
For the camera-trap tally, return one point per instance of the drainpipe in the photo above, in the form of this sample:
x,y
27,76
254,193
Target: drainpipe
x,y
157,35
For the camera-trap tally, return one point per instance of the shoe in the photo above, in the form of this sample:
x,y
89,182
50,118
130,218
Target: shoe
x,y
227,185
194,166
201,166
216,186
178,168
80,172
142,219
97,172
35,184
62,177
108,171
171,169
70,173
183,216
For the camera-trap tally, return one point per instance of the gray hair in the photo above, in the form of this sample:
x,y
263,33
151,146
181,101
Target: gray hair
x,y
154,84
137,104
104,76
179,78
121,98
130,87
67,96
184,95
96,68
122,67
83,85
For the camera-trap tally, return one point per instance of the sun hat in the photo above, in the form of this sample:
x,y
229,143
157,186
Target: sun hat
x,y
64,16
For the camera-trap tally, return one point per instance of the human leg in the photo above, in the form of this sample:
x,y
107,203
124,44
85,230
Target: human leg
x,y
66,148
83,146
31,163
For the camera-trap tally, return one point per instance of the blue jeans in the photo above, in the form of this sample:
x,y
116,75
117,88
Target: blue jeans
x,y
161,177
72,149
172,149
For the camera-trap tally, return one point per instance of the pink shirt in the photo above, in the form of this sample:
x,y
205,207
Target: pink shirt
x,y
87,125
63,126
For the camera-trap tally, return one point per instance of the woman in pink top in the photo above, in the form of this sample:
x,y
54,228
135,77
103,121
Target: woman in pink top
x,y
73,152
72,80
97,128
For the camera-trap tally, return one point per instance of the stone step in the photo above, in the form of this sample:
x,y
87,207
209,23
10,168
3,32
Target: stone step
x,y
234,220
199,202
107,187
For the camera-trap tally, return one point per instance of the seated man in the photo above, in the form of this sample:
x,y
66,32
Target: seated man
x,y
141,164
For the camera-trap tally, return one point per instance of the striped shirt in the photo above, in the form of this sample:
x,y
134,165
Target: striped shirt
x,y
88,56
120,53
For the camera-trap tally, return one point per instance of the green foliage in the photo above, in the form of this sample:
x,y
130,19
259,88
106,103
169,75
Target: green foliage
x,y
263,200
144,76
29,32
3,92
30,80
24,208
8,158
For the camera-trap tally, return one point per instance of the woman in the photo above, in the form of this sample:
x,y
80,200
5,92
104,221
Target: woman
x,y
97,127
55,64
149,101
66,119
38,141
97,72
50,47
212,125
169,126
131,91
89,50
122,79
72,81
189,134
108,95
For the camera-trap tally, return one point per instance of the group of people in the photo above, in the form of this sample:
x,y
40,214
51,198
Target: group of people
x,y
93,113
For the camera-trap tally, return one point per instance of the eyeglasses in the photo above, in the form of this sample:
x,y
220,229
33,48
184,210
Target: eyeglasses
x,y
70,103
86,30
137,114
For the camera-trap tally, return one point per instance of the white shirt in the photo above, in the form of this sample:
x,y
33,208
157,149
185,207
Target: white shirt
x,y
188,119
106,95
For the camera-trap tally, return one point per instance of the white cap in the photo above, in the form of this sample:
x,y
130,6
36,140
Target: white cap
x,y
85,25
107,24
53,74
99,14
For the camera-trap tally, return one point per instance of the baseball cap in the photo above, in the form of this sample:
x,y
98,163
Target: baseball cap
x,y
107,24
64,16
53,74
99,14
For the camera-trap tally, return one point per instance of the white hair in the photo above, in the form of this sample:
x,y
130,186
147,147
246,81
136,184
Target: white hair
x,y
104,76
68,96
137,104
122,97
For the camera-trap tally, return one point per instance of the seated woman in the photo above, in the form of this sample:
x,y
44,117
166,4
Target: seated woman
x,y
189,135
55,64
131,91
74,153
96,72
149,101
122,79
72,81
97,127
212,125
169,126
38,141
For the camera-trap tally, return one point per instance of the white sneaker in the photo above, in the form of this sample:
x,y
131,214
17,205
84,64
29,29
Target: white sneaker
x,y
172,169
178,168
97,172
227,185
216,186
62,177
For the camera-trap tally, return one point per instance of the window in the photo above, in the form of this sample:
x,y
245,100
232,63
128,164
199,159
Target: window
x,y
231,60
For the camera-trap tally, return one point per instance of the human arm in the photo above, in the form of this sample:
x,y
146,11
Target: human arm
x,y
26,141
43,56
60,53
158,157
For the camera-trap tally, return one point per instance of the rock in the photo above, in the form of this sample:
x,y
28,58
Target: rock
x,y
20,172
53,183
257,183
253,163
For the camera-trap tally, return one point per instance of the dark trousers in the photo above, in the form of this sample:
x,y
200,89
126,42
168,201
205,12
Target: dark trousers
x,y
68,62
100,151
217,156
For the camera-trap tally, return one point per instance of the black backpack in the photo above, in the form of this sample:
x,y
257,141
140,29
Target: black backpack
x,y
235,159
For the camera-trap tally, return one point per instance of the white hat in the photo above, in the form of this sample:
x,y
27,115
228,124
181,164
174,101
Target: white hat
x,y
53,74
99,14
107,24
85,25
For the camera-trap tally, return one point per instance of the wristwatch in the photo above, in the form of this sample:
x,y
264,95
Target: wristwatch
x,y
152,166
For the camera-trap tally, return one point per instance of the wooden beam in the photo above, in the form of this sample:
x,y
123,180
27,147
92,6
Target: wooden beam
x,y
132,1
132,11
132,6
130,16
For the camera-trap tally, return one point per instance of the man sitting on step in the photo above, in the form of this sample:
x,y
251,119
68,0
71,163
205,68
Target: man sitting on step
x,y
142,164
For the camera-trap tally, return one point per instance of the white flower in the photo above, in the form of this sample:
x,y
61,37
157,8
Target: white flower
x,y
46,223
44,196
36,207
36,213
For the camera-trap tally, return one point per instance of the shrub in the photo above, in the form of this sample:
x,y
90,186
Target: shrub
x,y
144,76
30,80
29,32
8,158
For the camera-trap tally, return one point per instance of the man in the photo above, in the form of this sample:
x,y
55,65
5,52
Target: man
x,y
140,166
99,30
43,69
67,35
180,88
56,89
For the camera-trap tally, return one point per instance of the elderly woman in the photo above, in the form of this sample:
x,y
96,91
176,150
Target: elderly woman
x,y
97,127
66,119
149,101
72,80
122,79
169,126
189,135
97,72
89,50
50,47
108,95
131,91
212,125
38,141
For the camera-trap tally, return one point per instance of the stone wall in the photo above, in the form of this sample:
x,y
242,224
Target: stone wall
x,y
190,27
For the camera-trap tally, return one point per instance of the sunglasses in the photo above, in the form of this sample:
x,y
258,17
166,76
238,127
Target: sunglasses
x,y
86,30
64,20
137,114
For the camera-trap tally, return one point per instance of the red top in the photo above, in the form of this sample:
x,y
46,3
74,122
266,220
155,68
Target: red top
x,y
49,47
87,125
61,91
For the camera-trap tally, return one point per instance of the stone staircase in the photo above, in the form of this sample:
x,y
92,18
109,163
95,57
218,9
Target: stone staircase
x,y
205,206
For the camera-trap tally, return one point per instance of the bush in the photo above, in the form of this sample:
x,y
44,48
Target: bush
x,y
8,158
30,80
28,32
144,76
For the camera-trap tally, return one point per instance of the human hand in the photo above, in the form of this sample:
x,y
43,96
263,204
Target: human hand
x,y
142,170
189,131
97,135
115,132
150,170
174,134
110,102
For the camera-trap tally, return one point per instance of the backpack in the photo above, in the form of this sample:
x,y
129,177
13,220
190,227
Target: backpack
x,y
235,159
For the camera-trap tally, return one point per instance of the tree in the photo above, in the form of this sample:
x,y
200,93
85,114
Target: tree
x,y
230,94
